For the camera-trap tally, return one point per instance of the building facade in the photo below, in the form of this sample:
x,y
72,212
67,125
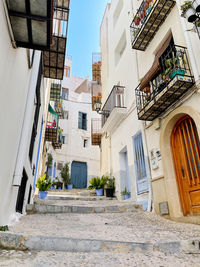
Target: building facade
x,y
151,56
77,148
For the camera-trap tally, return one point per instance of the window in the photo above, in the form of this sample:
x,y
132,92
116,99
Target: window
x,y
82,121
119,50
67,71
59,166
65,93
66,114
85,142
63,139
54,170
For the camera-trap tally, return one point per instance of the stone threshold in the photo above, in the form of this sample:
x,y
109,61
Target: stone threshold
x,y
9,240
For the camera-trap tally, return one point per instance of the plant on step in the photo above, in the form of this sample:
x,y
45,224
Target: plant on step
x,y
110,182
65,174
125,192
4,228
43,183
97,183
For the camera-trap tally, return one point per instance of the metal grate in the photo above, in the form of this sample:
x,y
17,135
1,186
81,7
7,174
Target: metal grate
x,y
96,132
149,17
174,79
96,93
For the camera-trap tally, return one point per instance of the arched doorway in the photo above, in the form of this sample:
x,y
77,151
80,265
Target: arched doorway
x,y
186,154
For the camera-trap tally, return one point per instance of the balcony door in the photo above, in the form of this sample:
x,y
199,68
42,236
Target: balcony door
x,y
186,153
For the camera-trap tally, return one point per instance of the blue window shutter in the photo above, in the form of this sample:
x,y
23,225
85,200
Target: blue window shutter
x,y
85,122
54,170
80,120
140,163
63,139
50,172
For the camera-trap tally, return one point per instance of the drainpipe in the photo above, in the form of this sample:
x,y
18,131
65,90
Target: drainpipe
x,y
189,45
27,122
9,25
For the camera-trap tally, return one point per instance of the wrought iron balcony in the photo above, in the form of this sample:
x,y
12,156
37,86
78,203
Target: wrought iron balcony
x,y
31,23
59,108
51,131
114,100
58,143
55,91
54,57
96,67
172,81
150,16
96,93
96,132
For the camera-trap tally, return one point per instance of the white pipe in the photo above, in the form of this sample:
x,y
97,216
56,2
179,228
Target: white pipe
x,y
9,25
27,122
189,45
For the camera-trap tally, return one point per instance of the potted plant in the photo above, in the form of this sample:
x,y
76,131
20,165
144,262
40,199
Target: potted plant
x,y
196,5
137,20
188,11
126,193
110,186
43,184
48,164
98,184
4,228
65,176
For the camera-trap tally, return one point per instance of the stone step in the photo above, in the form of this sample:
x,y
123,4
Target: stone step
x,y
9,240
76,197
47,208
78,192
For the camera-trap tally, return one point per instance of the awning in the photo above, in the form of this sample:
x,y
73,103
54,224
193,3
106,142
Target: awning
x,y
52,111
156,65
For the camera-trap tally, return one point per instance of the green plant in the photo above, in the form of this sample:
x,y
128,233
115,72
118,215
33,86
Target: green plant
x,y
65,174
43,183
110,182
125,192
185,7
4,228
97,182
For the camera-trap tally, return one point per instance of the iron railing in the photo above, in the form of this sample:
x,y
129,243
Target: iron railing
x,y
114,100
96,131
149,17
173,63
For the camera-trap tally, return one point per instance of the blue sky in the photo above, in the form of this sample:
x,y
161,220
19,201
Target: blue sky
x,y
83,33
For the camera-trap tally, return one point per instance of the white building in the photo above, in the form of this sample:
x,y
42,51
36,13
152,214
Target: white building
x,y
123,145
77,149
22,98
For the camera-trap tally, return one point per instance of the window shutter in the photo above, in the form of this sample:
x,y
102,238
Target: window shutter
x,y
54,170
80,120
140,163
85,122
63,139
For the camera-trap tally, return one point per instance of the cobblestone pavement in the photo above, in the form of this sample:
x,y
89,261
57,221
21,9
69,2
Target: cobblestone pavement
x,y
131,227
41,259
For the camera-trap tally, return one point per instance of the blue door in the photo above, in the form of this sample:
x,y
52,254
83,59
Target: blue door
x,y
79,174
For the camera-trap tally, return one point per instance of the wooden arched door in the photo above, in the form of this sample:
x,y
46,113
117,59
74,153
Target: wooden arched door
x,y
186,153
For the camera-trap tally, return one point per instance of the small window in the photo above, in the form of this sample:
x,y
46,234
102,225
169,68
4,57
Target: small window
x,y
67,71
85,142
63,139
66,114
59,165
65,93
82,121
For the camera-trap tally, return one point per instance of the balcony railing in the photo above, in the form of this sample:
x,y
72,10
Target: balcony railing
x,y
173,81
55,91
51,131
96,91
54,57
114,100
58,143
31,23
150,16
96,67
96,132
59,108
